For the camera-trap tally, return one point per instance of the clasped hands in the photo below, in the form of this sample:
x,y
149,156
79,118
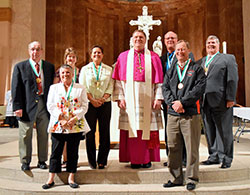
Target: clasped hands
x,y
178,107
97,102
66,122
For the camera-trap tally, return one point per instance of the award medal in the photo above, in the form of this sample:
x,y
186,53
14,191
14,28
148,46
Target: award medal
x,y
97,75
38,80
180,86
181,75
207,62
97,84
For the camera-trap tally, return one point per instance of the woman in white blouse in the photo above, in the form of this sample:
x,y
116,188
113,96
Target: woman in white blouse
x,y
67,104
97,79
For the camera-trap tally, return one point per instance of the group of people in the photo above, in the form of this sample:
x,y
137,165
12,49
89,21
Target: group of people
x,y
207,86
58,104
142,84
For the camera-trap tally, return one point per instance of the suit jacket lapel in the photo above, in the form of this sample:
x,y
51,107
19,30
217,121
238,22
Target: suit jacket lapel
x,y
203,62
30,70
212,65
174,61
44,75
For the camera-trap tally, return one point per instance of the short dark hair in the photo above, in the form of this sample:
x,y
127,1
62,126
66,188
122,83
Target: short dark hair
x,y
140,31
96,46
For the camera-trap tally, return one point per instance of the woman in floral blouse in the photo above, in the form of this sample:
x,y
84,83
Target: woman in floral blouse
x,y
70,58
67,104
96,77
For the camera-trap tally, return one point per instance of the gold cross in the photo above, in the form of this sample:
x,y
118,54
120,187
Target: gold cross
x,y
140,68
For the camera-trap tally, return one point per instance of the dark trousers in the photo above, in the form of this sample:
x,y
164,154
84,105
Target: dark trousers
x,y
165,113
58,140
103,115
218,130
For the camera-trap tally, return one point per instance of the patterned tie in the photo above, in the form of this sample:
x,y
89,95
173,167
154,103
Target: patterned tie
x,y
39,80
37,68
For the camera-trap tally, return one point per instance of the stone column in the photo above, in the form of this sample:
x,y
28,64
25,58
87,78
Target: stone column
x,y
5,19
246,28
20,23
28,24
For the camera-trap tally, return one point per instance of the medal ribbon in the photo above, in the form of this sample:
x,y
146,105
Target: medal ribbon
x,y
97,74
208,62
183,74
67,94
34,69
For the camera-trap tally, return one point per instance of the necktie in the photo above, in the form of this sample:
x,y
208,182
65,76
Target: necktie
x,y
37,68
39,80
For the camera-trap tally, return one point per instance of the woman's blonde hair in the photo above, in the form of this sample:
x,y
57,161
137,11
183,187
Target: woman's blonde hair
x,y
69,50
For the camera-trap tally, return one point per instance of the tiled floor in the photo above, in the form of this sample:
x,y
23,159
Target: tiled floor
x,y
210,176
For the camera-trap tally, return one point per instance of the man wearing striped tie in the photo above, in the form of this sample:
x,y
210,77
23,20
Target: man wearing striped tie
x,y
31,80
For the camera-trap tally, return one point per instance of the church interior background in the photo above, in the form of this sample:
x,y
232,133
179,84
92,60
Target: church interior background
x,y
59,24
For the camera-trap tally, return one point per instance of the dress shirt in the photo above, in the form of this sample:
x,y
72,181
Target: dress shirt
x,y
88,79
33,65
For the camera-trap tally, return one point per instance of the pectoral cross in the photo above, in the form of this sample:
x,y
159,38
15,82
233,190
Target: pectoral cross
x,y
145,23
140,68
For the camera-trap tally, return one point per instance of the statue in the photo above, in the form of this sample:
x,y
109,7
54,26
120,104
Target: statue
x,y
157,46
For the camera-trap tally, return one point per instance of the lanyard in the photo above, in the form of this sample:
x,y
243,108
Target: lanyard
x,y
170,60
97,74
70,89
34,69
208,62
182,75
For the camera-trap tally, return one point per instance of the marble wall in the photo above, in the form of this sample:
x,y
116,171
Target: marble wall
x,y
5,25
28,24
246,70
82,24
20,23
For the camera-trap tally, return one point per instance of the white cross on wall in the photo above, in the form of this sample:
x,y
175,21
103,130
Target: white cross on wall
x,y
145,23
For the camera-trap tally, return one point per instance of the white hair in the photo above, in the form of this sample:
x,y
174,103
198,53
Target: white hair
x,y
213,37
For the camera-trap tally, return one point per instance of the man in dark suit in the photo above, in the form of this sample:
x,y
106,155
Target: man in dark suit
x,y
167,60
221,86
30,85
